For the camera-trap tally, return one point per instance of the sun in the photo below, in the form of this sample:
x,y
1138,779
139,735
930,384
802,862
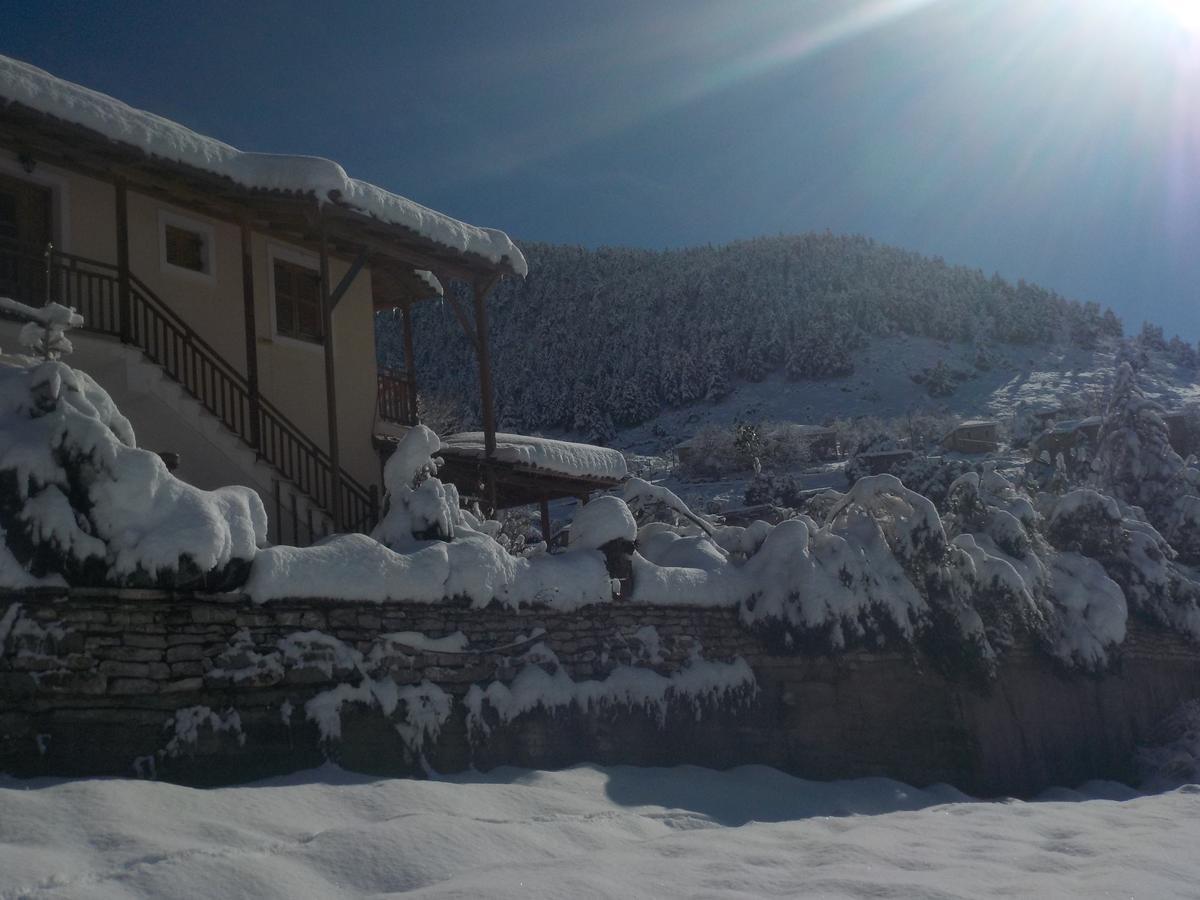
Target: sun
x,y
1184,13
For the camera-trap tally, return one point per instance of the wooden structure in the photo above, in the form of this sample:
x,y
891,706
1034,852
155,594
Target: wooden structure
x,y
1065,437
976,436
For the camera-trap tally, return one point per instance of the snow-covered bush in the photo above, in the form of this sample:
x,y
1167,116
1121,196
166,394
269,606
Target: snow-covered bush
x,y
427,549
45,329
79,500
857,465
718,451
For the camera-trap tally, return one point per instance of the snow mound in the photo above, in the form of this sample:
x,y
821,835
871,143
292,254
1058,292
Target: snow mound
x,y
323,178
81,502
588,831
427,549
600,522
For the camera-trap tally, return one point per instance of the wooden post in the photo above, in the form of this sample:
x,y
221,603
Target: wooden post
x,y
124,305
410,363
335,460
545,510
487,404
251,335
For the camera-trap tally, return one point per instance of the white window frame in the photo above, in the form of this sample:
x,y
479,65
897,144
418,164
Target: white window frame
x,y
204,229
296,257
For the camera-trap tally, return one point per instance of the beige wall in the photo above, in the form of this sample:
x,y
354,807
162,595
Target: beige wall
x,y
291,373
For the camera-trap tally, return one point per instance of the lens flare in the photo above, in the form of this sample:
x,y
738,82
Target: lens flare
x,y
1183,13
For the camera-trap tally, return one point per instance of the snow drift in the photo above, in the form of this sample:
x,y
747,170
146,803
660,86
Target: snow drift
x,y
80,502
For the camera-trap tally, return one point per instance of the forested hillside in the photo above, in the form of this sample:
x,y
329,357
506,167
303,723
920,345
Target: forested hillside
x,y
597,340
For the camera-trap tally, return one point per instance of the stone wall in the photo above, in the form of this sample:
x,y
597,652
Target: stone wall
x,y
213,689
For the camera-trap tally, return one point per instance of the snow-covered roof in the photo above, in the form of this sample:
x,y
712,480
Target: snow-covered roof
x,y
432,280
560,457
39,90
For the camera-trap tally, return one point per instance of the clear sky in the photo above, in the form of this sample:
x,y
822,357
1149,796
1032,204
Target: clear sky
x,y
1054,140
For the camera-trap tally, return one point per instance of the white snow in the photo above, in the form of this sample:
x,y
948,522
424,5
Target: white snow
x,y
141,516
427,549
699,682
156,136
561,457
415,640
432,280
588,831
601,521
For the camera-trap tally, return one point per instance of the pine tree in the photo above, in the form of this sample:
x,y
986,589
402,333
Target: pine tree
x,y
1134,461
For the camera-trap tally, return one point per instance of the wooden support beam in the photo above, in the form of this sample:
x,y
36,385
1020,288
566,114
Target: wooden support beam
x,y
338,292
251,330
124,301
544,508
335,459
463,319
410,362
487,402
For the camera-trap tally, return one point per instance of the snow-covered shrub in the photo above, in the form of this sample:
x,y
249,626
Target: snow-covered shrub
x,y
940,380
857,465
80,500
426,548
931,476
600,522
722,450
775,490
45,331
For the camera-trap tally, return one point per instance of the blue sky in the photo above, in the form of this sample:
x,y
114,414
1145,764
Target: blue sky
x,y
1054,140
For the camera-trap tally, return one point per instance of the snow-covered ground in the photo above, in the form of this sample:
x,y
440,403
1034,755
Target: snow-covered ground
x,y
882,386
588,832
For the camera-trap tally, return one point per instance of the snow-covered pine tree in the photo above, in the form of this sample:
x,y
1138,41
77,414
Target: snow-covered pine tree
x,y
1134,461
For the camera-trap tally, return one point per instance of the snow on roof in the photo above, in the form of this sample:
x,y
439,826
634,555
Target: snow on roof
x,y
562,457
432,280
43,92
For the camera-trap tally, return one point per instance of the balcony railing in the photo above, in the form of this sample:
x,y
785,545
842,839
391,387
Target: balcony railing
x,y
397,397
31,275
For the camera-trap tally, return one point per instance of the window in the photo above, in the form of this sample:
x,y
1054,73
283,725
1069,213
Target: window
x,y
187,245
184,248
297,301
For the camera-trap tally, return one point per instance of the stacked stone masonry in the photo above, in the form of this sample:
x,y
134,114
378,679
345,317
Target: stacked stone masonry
x,y
196,689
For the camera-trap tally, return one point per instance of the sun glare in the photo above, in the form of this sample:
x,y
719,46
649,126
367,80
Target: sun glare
x,y
1184,13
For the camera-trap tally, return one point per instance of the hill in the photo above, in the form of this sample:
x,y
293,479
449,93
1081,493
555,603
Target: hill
x,y
595,342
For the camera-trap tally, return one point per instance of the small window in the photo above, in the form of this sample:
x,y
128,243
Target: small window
x,y
186,245
185,248
297,301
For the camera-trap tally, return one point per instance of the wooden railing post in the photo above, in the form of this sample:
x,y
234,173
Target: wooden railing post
x,y
49,271
410,364
123,301
487,402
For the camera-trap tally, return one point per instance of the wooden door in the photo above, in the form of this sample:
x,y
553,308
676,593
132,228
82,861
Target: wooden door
x,y
24,233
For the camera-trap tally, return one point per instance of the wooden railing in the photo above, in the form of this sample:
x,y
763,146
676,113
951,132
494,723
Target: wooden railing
x,y
397,397
93,288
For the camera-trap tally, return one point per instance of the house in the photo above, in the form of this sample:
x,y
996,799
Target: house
x,y
878,462
975,436
1064,437
229,297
